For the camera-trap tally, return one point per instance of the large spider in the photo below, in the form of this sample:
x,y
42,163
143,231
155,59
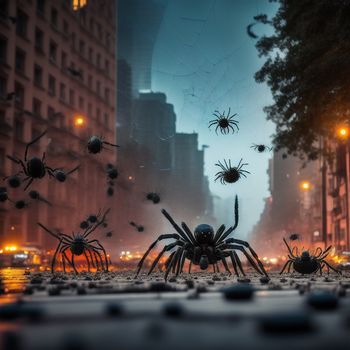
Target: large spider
x,y
261,148
224,122
96,144
306,263
78,244
230,174
34,168
203,248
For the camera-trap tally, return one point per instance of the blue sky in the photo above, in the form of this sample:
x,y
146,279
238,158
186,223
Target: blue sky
x,y
204,61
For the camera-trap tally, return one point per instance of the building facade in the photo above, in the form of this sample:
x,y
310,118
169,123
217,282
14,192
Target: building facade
x,y
57,74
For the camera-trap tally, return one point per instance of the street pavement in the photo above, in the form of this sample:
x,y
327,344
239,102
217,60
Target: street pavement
x,y
198,311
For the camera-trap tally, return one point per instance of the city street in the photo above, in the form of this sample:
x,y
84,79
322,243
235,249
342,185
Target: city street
x,y
198,311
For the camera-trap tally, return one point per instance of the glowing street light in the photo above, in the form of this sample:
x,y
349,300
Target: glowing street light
x,y
343,132
305,185
79,120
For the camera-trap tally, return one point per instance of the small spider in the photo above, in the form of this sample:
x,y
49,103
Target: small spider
x,y
306,263
225,123
60,175
294,236
3,194
36,195
96,144
261,148
204,247
230,174
139,228
153,197
78,244
109,234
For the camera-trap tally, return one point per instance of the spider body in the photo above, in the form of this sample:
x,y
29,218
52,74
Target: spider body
x,y
96,144
225,123
3,194
261,148
230,174
14,181
36,168
153,197
61,176
305,263
79,244
203,248
294,236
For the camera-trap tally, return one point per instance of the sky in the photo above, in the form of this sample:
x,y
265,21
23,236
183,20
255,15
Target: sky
x,y
205,61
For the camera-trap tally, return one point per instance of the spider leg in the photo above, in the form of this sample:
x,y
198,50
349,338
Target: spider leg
x,y
169,266
75,270
238,262
176,259
218,233
31,143
48,231
97,253
332,268
182,264
103,249
87,259
29,183
290,251
165,249
230,126
110,144
189,232
216,129
285,266
64,255
224,262
214,270
91,258
219,237
168,259
181,261
251,250
54,257
161,237
176,227
73,170
189,267
234,264
92,228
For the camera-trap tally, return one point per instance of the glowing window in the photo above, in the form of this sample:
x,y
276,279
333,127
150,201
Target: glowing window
x,y
78,4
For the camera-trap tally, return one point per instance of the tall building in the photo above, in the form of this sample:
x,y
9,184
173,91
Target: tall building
x,y
57,74
138,25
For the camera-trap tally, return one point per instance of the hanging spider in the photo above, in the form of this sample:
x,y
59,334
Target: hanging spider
x,y
261,148
60,175
225,123
294,236
36,195
33,168
109,234
20,204
153,197
78,244
230,174
139,228
13,181
3,194
306,263
203,248
112,171
96,144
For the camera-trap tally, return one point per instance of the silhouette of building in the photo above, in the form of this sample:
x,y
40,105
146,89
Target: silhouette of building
x,y
59,60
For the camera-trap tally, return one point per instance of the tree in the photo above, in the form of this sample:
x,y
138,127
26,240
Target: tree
x,y
307,68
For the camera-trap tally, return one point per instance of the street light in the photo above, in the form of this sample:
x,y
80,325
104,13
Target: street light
x,y
343,132
305,185
79,120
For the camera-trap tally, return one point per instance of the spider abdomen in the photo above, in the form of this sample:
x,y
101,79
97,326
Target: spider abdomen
x,y
77,248
305,266
231,176
95,145
223,123
36,168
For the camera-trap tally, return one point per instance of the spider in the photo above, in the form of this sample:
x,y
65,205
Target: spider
x,y
3,194
261,148
202,248
78,244
294,236
139,228
36,195
225,123
229,173
96,144
306,263
61,176
153,197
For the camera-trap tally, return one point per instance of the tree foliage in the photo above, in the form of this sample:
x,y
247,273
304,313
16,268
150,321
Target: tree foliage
x,y
307,68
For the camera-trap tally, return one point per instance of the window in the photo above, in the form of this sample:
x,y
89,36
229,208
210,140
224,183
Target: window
x,y
71,97
82,47
106,120
107,93
36,106
54,16
52,85
106,66
73,40
19,129
89,109
65,27
50,113
98,88
20,60
19,94
63,59
81,103
98,114
40,7
39,39
91,54
90,82
4,7
3,50
53,51
3,84
21,23
98,60
92,25
99,32
38,75
62,92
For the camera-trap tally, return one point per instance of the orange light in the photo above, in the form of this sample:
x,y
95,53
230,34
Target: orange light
x,y
79,120
343,132
305,185
130,177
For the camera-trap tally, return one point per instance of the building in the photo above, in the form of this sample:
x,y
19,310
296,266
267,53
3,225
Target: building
x,y
138,26
58,60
